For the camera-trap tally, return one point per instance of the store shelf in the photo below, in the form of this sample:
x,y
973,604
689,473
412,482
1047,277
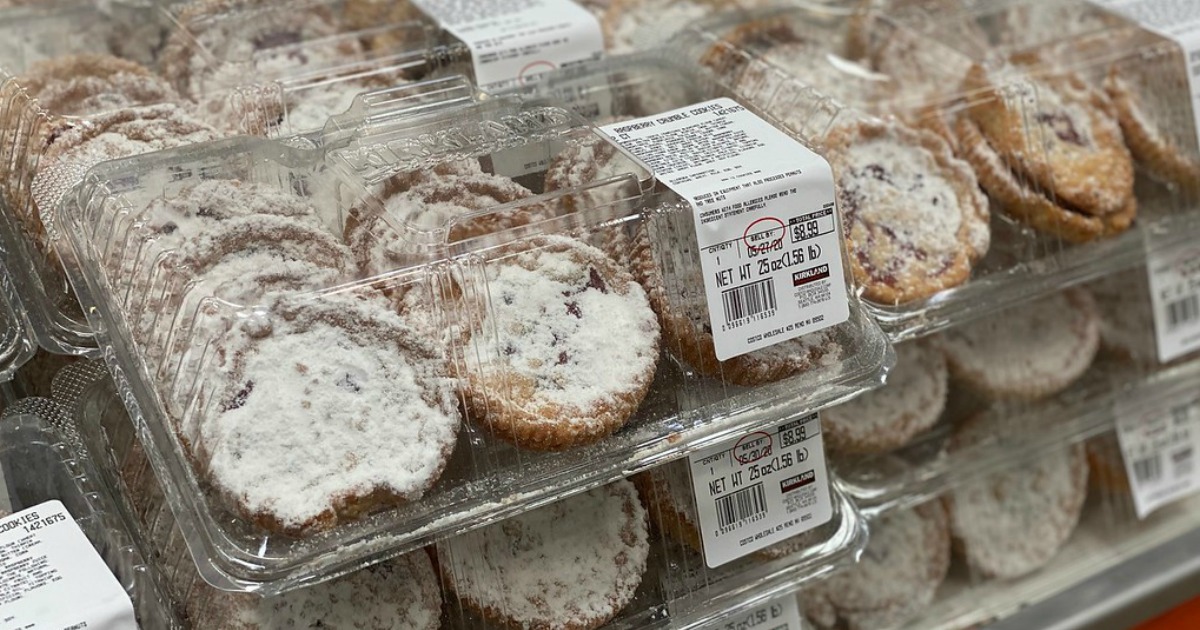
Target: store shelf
x,y
1131,592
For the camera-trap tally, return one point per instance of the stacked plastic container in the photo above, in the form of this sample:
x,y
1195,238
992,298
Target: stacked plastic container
x,y
372,330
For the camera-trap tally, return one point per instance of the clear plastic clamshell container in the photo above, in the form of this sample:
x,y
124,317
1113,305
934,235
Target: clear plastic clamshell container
x,y
985,152
657,580
39,463
1038,522
62,64
17,344
80,84
279,69
1051,371
432,320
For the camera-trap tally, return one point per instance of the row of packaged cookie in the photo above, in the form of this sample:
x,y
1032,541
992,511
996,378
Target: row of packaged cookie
x,y
235,281
1055,362
905,245
588,561
636,547
171,276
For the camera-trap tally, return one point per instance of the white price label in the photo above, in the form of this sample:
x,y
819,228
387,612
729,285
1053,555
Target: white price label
x,y
766,224
780,613
1160,449
760,489
513,41
1175,293
51,578
1178,20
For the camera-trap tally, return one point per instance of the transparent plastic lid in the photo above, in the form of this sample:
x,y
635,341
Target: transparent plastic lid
x,y
40,464
469,263
973,174
652,574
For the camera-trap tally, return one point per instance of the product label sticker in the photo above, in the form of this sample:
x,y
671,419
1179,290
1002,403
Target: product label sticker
x,y
1178,20
1159,448
766,224
51,578
780,613
513,41
1174,273
760,489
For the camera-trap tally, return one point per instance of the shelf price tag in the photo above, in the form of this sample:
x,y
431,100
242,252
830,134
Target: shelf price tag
x,y
1174,274
760,489
779,613
1160,448
51,578
766,224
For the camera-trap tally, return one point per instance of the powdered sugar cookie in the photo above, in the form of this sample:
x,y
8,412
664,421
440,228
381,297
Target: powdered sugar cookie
x,y
667,492
1126,316
572,565
914,217
1009,523
666,261
1058,136
589,163
1027,352
906,559
218,39
400,593
890,417
78,85
566,350
333,410
631,25
454,201
810,64
1146,99
1036,208
118,134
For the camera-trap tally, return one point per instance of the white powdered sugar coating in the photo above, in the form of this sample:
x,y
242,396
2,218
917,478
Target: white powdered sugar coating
x,y
339,402
561,321
889,417
1030,351
828,74
646,24
401,593
310,108
572,564
1013,522
902,188
905,561
119,135
1126,316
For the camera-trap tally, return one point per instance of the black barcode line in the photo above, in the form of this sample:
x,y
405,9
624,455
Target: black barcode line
x,y
743,504
1182,462
1183,311
1148,469
748,300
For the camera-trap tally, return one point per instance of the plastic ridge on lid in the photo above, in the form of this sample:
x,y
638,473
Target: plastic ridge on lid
x,y
464,264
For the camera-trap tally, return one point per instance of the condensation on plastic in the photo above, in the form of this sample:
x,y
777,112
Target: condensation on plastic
x,y
944,38
405,129
677,589
40,464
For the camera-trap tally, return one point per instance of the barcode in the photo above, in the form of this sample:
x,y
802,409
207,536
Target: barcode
x,y
1183,311
1182,463
743,504
1147,470
749,300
